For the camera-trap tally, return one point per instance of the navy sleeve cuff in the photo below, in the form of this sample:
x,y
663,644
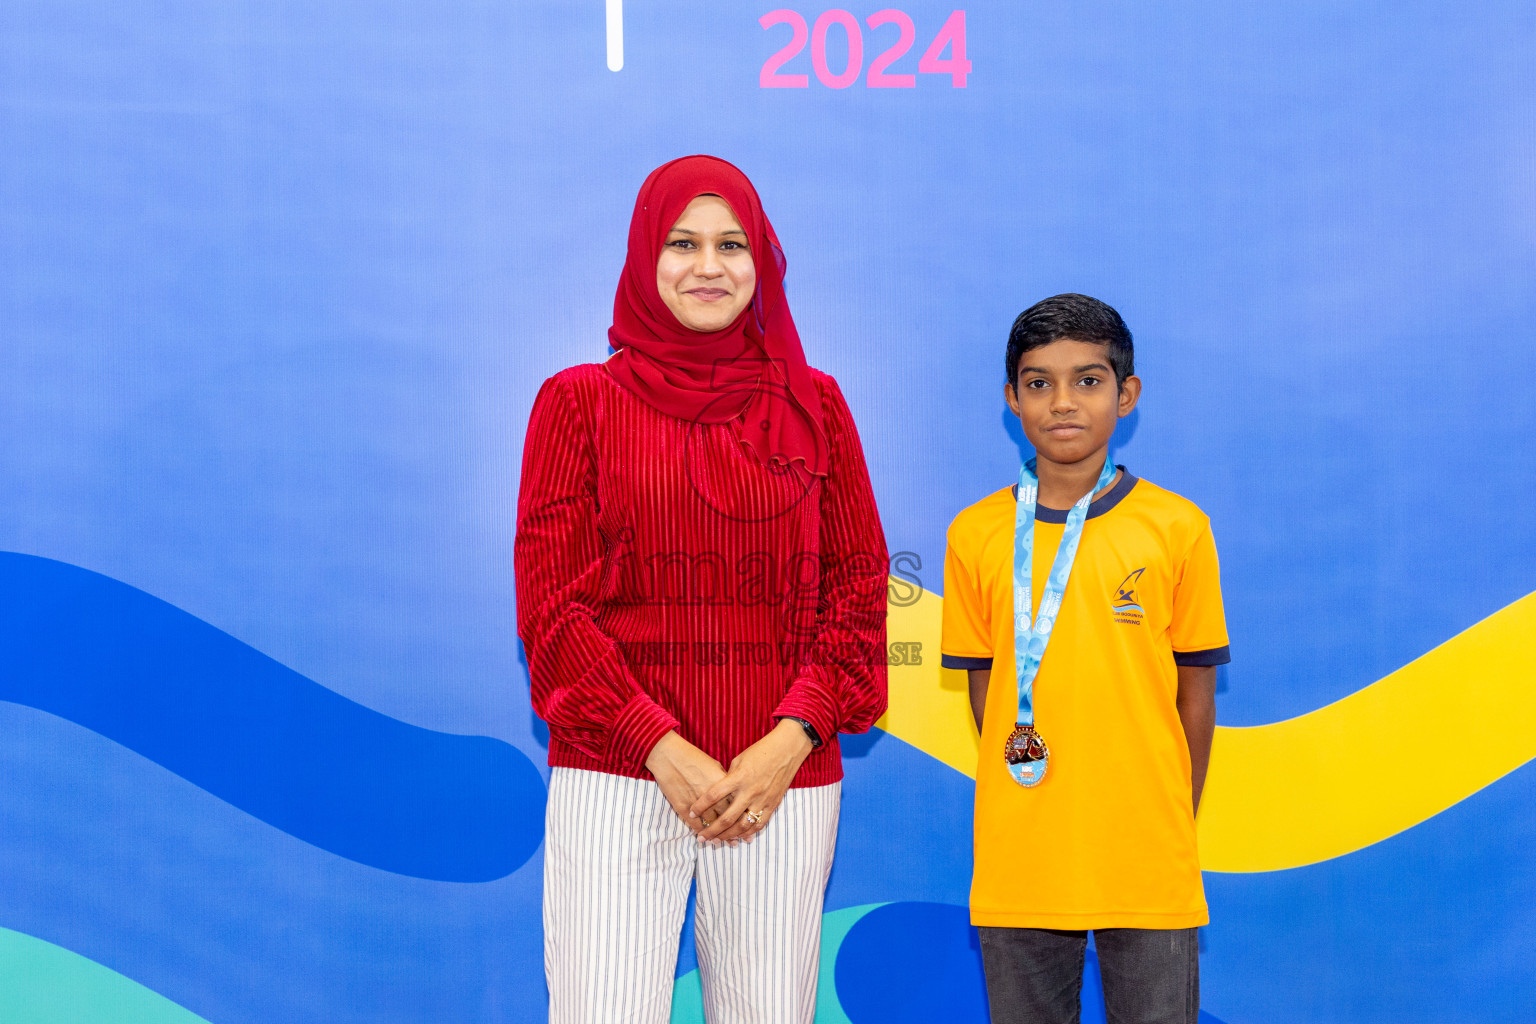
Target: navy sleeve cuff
x,y
1203,659
962,662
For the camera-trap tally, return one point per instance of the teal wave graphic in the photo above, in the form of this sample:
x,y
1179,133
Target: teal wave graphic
x,y
251,731
41,983
688,992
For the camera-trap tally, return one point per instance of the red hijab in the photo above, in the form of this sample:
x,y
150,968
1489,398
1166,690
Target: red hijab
x,y
752,373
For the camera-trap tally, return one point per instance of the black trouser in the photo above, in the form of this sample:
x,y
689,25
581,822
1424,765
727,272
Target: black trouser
x,y
1035,975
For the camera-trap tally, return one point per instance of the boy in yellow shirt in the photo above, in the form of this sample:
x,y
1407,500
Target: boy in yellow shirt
x,y
1096,729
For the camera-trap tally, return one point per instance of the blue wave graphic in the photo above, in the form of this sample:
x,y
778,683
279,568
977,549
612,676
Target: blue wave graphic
x,y
279,746
920,962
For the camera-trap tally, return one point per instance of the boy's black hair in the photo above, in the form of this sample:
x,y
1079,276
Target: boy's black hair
x,y
1077,318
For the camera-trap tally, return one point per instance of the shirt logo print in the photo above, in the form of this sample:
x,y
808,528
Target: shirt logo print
x,y
1127,609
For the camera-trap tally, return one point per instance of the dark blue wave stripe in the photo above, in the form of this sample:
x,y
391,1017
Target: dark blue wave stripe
x,y
259,735
911,963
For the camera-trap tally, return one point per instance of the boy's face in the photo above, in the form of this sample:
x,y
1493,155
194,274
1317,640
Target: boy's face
x,y
1065,396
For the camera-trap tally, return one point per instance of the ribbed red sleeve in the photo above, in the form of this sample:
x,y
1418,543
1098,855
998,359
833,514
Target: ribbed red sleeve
x,y
669,579
581,686
842,686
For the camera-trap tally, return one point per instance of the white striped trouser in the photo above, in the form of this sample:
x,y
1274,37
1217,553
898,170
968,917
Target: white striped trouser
x,y
617,866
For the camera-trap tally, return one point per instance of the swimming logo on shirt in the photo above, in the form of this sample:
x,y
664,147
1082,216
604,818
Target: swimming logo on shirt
x,y
1126,609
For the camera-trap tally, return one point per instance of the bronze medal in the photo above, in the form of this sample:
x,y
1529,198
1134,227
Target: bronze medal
x,y
1026,756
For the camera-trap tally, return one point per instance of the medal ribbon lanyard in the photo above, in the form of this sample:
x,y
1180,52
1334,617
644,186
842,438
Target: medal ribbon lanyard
x,y
1029,640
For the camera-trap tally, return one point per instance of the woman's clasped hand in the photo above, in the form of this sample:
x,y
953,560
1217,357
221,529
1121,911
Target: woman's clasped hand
x,y
755,785
726,806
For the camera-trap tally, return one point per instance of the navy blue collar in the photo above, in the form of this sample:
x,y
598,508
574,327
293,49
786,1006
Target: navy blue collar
x,y
1106,501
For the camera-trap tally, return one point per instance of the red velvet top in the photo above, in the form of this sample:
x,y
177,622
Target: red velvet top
x,y
669,579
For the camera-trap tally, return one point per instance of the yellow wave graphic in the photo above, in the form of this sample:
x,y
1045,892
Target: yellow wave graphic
x,y
1320,785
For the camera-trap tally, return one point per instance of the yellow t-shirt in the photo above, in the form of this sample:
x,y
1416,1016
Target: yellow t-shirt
x,y
1107,840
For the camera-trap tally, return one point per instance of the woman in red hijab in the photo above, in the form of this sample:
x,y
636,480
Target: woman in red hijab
x,y
701,581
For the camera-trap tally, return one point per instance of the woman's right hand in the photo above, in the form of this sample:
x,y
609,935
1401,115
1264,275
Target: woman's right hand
x,y
683,772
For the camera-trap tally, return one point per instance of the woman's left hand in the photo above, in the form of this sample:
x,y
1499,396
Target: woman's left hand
x,y
755,783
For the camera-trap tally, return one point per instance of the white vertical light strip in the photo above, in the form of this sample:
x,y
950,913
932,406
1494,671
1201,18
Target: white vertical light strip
x,y
615,35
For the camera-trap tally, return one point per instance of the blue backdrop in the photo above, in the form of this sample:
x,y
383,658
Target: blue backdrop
x,y
282,279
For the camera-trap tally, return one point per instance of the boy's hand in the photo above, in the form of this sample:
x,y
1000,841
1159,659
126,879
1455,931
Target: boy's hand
x,y
754,787
683,771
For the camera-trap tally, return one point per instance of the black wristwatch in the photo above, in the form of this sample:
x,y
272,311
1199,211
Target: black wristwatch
x,y
810,730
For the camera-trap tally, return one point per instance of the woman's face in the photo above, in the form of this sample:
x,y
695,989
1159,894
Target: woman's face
x,y
705,273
